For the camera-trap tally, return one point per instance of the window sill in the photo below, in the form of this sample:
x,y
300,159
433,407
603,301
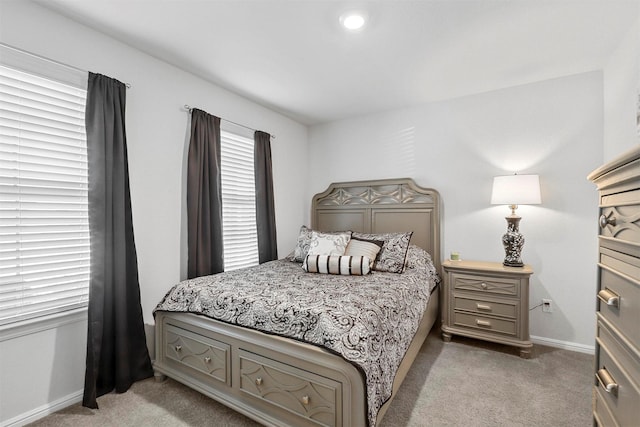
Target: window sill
x,y
32,326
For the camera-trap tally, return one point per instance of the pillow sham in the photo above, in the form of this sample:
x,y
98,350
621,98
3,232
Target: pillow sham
x,y
336,264
328,244
393,254
368,248
303,242
417,257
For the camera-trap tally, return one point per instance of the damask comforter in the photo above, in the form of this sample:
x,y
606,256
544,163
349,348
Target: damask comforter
x,y
368,320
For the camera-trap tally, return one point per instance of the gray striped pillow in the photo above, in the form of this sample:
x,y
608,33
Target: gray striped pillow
x,y
368,248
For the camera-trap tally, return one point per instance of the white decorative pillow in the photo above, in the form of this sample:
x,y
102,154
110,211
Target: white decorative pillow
x,y
302,244
394,250
332,264
304,241
368,248
328,244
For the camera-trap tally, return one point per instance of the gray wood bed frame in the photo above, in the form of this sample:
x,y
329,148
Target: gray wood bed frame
x,y
282,382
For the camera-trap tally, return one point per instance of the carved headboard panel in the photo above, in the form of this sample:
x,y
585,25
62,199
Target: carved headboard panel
x,y
382,206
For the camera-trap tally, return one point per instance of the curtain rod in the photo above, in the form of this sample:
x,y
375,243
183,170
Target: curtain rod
x,y
189,109
58,63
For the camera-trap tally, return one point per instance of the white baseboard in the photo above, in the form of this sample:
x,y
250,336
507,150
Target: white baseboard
x,y
44,410
565,345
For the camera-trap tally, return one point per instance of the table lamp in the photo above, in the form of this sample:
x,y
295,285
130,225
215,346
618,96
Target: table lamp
x,y
514,190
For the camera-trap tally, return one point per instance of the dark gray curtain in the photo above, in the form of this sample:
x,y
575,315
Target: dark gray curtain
x,y
265,211
117,353
204,197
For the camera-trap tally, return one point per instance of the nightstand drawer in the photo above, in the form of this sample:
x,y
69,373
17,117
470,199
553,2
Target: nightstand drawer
x,y
509,309
486,284
485,323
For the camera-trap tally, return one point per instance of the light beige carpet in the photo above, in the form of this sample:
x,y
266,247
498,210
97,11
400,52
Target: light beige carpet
x,y
461,383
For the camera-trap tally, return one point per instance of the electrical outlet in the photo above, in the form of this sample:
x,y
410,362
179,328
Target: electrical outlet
x,y
547,306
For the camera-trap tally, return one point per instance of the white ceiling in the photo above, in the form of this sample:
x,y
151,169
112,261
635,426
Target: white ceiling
x,y
293,57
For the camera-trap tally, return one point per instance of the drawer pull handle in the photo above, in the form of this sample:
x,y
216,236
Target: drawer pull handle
x,y
606,382
483,323
483,307
609,297
306,400
258,381
178,348
207,360
483,285
604,221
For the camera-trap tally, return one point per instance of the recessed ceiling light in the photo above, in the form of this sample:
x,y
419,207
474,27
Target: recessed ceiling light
x,y
352,20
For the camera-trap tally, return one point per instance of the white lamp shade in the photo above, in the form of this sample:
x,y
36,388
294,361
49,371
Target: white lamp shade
x,y
516,190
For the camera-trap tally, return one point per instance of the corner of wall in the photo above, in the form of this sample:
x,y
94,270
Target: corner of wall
x,y
621,79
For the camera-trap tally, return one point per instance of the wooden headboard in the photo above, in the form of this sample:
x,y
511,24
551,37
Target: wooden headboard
x,y
381,206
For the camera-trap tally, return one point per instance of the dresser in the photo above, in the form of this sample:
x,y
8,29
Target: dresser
x,y
616,392
487,301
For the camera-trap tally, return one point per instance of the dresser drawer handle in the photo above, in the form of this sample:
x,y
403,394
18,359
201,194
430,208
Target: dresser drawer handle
x,y
604,221
483,307
306,400
258,381
483,285
178,348
606,382
207,360
485,323
609,297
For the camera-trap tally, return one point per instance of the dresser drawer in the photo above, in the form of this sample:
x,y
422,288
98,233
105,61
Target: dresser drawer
x,y
627,355
622,211
626,263
481,306
624,397
619,302
601,413
486,285
302,393
485,323
192,351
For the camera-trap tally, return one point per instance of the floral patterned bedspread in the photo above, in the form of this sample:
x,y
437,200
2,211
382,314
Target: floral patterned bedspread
x,y
369,320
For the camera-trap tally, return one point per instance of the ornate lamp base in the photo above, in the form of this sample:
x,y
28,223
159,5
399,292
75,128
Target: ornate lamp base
x,y
513,242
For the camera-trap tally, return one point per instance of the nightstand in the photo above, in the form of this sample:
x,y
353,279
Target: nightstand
x,y
487,301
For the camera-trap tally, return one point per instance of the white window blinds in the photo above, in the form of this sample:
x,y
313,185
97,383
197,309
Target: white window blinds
x,y
44,232
240,235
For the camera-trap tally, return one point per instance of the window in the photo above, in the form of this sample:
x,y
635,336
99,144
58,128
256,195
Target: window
x,y
239,229
44,232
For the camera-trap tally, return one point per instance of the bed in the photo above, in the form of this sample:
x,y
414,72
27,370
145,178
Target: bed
x,y
282,381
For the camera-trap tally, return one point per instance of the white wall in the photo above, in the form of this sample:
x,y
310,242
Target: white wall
x,y
42,372
552,128
156,130
621,91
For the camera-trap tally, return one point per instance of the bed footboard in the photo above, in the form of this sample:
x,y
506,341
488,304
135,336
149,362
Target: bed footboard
x,y
273,380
